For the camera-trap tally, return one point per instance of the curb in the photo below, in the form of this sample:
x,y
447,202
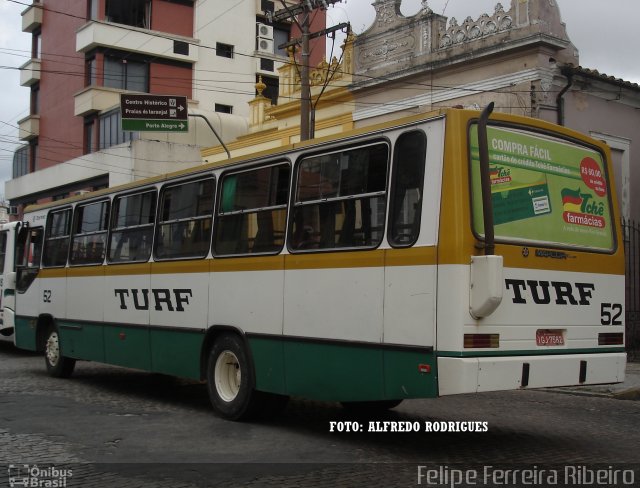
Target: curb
x,y
627,394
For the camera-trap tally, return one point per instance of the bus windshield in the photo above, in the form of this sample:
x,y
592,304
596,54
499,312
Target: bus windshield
x,y
545,190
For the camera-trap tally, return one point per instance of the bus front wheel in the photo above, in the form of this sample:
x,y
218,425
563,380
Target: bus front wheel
x,y
58,365
230,380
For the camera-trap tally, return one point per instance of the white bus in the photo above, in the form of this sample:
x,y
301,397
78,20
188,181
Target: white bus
x,y
8,236
363,269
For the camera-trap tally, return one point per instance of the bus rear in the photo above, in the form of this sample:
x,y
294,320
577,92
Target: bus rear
x,y
540,261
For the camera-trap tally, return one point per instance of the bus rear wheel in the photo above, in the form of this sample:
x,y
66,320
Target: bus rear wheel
x,y
230,380
231,383
58,365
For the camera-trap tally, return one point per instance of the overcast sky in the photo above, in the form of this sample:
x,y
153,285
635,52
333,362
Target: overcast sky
x,y
605,33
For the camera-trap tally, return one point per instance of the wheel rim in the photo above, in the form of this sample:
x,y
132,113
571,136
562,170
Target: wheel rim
x,y
228,376
52,349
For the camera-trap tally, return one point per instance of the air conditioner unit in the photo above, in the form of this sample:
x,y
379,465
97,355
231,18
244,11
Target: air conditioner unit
x,y
264,31
265,45
13,210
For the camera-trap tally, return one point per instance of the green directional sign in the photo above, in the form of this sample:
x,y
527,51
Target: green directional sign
x,y
154,113
155,125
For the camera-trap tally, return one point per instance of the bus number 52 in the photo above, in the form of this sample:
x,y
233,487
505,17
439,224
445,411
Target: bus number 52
x,y
610,314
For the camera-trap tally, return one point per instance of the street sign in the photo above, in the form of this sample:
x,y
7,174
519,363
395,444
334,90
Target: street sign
x,y
156,113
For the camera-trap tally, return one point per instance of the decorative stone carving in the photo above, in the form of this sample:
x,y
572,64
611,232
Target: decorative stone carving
x,y
471,30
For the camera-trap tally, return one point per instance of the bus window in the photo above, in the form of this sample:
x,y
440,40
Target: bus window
x,y
89,242
340,199
3,249
28,252
132,227
56,240
406,193
253,211
184,221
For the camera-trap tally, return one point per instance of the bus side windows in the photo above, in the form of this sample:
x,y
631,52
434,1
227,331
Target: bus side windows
x,y
252,213
407,189
56,238
185,219
132,227
340,199
89,242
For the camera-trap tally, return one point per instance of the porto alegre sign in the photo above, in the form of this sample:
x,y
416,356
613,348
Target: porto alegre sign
x,y
156,113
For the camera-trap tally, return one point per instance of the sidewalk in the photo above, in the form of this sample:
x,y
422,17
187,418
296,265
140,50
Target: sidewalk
x,y
627,390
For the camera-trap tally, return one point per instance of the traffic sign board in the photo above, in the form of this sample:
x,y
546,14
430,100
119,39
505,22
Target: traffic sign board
x,y
158,113
155,125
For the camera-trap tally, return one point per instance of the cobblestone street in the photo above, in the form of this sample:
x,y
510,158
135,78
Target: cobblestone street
x,y
118,427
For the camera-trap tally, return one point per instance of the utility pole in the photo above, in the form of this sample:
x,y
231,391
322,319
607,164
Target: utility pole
x,y
303,9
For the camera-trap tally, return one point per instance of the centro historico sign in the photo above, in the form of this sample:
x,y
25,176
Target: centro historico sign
x,y
156,113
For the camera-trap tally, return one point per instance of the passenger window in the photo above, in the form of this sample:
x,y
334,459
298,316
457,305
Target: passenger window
x,y
340,199
252,215
184,220
132,227
89,243
407,189
56,239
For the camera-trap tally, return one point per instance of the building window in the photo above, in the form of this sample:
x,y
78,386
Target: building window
x,y
136,13
110,130
271,91
21,162
34,154
89,135
267,6
35,99
90,72
126,74
224,50
280,36
92,9
36,44
225,109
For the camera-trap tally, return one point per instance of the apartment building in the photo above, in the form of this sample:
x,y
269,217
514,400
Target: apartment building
x,y
85,53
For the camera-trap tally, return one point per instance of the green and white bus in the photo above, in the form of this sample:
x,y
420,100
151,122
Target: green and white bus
x,y
8,237
438,254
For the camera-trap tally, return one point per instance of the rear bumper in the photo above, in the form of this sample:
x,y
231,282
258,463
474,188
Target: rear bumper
x,y
472,375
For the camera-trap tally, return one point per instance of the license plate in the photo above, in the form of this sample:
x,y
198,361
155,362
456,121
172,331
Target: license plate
x,y
547,337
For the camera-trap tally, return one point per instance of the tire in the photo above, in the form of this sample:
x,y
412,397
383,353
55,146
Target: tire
x,y
372,406
231,380
58,365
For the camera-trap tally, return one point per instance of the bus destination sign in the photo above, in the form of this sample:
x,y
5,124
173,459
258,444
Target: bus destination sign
x,y
155,113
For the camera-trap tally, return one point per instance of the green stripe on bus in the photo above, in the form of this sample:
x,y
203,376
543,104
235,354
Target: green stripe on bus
x,y
328,371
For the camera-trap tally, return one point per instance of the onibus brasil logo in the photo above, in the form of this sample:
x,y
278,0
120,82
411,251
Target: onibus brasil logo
x,y
581,209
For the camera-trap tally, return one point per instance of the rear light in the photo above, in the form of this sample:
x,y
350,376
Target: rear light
x,y
480,341
610,338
